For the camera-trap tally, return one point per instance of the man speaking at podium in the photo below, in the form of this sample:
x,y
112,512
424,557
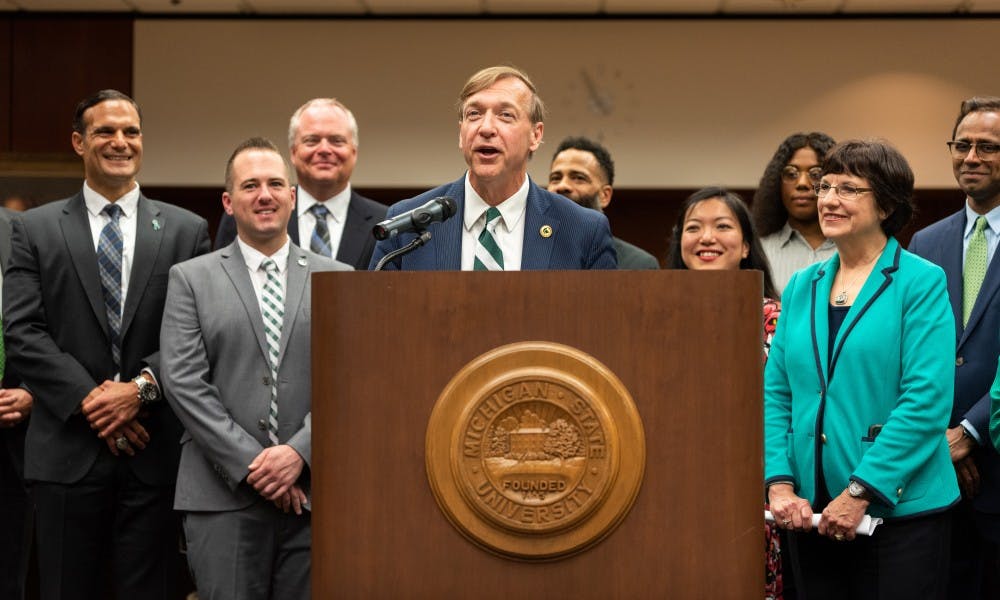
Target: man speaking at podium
x,y
503,221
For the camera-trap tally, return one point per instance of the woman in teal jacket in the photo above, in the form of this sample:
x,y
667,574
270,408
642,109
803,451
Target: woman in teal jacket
x,y
857,394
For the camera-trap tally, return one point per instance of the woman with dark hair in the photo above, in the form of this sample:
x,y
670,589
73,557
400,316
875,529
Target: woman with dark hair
x,y
858,392
714,231
784,206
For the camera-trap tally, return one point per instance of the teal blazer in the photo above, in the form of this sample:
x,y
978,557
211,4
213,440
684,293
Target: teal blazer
x,y
877,408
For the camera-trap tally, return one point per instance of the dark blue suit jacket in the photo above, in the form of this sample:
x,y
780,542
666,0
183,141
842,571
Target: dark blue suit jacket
x,y
978,344
580,239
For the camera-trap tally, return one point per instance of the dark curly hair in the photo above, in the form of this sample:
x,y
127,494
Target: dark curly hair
x,y
769,214
887,172
755,260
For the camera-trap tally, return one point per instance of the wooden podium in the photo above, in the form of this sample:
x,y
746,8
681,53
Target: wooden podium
x,y
686,345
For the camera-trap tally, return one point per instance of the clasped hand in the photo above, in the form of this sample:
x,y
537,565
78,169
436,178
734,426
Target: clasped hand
x,y
274,473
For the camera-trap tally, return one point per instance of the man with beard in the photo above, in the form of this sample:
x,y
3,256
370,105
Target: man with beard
x,y
582,170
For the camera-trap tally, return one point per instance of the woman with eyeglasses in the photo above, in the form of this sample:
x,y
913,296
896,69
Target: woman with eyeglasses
x,y
784,206
858,392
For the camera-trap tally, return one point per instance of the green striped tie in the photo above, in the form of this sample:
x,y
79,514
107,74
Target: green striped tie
x,y
975,269
489,257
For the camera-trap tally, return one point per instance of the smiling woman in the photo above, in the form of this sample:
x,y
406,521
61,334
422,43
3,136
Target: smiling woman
x,y
857,394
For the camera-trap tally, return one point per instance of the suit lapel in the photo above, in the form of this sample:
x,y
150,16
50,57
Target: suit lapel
x,y
75,227
236,269
447,240
296,278
355,234
536,249
877,282
820,321
950,260
149,229
293,223
985,298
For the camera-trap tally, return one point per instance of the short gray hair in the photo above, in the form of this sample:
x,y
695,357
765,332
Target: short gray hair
x,y
293,123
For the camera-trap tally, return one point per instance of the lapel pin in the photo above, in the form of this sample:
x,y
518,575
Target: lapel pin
x,y
545,231
302,261
156,224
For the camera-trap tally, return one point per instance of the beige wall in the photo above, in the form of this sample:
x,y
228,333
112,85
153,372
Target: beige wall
x,y
682,103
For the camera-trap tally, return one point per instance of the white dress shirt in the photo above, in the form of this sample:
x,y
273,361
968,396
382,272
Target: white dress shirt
x,y
337,205
253,257
509,233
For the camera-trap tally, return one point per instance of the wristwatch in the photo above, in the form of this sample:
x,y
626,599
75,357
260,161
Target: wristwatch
x,y
148,391
856,490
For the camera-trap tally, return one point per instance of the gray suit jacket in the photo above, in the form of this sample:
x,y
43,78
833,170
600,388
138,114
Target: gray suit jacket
x,y
216,374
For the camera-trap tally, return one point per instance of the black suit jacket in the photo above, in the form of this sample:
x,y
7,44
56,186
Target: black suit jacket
x,y
57,333
13,437
356,244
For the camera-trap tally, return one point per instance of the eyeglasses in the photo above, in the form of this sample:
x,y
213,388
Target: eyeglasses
x,y
792,173
987,150
844,192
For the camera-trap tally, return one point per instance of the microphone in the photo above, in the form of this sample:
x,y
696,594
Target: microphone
x,y
418,219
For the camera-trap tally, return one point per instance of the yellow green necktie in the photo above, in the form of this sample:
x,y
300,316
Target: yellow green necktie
x,y
975,269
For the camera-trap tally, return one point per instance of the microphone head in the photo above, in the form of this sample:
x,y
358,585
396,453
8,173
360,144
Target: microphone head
x,y
448,207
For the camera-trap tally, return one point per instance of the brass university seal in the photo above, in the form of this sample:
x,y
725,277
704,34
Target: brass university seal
x,y
535,451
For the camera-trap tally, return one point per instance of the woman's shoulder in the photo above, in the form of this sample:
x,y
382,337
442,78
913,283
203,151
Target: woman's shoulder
x,y
918,267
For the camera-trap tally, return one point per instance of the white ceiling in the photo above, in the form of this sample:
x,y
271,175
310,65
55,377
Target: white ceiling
x,y
507,7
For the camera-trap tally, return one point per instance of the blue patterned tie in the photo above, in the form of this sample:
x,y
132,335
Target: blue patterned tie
x,y
109,262
272,308
320,240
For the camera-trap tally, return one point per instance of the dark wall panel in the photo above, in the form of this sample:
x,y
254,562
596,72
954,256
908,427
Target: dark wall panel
x,y
57,61
5,93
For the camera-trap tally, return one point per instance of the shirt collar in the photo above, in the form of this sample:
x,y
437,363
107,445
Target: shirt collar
x,y
336,204
253,257
511,209
992,219
96,202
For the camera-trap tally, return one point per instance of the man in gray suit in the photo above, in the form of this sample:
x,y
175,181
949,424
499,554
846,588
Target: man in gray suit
x,y
236,357
582,170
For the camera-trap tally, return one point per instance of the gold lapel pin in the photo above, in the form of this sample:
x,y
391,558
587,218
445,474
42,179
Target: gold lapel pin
x,y
545,231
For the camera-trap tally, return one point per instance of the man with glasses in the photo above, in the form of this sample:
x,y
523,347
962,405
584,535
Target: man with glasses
x,y
964,245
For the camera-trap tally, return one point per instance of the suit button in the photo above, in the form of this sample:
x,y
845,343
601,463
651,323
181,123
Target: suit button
x,y
266,380
959,361
823,437
899,491
262,425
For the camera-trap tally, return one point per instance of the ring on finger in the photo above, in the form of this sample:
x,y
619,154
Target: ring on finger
x,y
786,522
121,442
839,537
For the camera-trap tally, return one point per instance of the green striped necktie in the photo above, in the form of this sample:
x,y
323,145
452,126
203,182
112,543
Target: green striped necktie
x,y
489,257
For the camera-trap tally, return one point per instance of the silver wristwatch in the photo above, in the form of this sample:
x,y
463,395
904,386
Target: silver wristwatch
x,y
856,490
148,391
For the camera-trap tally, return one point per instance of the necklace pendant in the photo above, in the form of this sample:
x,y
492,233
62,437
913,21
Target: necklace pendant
x,y
841,298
